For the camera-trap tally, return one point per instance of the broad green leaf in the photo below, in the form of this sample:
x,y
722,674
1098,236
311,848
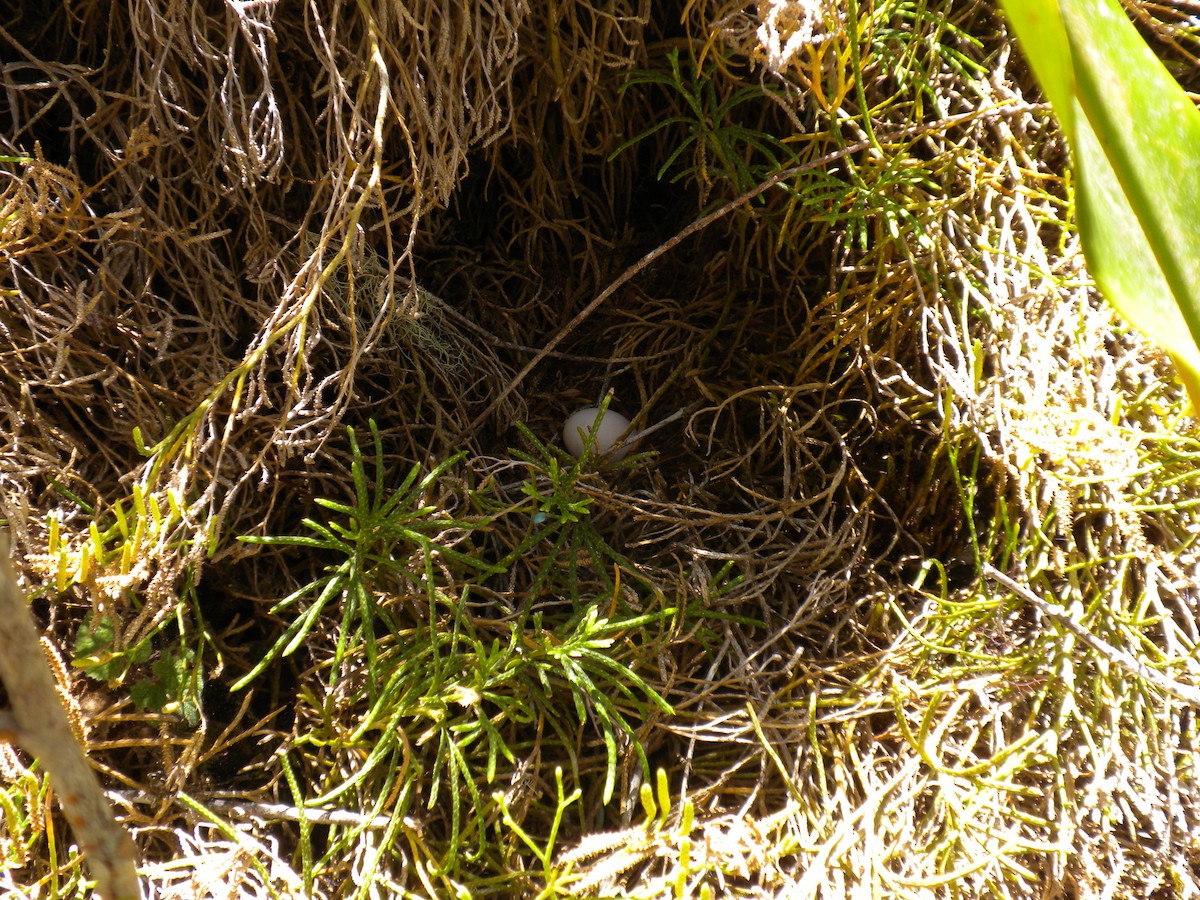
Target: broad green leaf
x,y
1134,137
1039,27
95,653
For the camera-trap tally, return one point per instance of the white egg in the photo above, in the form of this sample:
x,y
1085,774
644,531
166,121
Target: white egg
x,y
582,421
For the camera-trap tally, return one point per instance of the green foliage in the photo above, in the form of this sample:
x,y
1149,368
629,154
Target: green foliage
x,y
117,542
555,881
381,533
562,503
175,680
721,148
1133,133
463,701
675,830
563,530
95,652
10,214
20,800
680,866
174,687
452,697
579,656
726,132
884,200
914,39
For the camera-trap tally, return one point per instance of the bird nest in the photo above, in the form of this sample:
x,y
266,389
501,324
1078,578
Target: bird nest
x,y
290,290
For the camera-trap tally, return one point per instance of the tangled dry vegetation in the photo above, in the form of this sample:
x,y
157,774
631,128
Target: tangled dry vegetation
x,y
295,297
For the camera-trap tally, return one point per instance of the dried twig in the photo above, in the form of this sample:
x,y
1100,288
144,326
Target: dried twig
x,y
38,723
268,812
1117,657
